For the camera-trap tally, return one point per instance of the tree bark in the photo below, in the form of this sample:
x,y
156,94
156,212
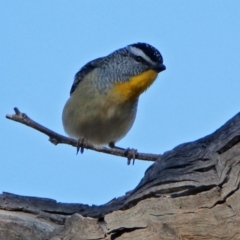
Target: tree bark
x,y
192,192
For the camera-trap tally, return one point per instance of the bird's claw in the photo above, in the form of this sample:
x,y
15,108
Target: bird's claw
x,y
131,154
80,145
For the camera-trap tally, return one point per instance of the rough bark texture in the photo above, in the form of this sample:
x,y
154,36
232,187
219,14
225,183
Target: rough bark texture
x,y
192,192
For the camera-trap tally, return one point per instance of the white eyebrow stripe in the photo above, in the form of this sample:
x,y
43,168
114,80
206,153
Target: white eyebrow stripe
x,y
138,52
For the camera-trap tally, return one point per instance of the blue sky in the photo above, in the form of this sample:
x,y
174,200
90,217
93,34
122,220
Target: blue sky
x,y
44,43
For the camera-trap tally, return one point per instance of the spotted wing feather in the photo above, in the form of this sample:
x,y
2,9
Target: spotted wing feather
x,y
87,68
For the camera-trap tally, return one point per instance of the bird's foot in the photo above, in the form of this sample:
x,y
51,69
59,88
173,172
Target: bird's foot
x,y
130,153
80,144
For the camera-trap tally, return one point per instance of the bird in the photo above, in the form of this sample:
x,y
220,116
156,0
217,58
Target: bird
x,y
104,95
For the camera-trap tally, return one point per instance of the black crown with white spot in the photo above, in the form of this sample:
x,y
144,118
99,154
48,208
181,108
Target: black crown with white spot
x,y
150,51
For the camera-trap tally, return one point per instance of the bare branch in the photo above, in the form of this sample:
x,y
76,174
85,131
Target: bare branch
x,y
56,138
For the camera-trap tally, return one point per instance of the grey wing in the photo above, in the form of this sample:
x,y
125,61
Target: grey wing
x,y
85,70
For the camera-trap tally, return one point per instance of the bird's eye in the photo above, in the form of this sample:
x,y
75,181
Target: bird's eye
x,y
139,59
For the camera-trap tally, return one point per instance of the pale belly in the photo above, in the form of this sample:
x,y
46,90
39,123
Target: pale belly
x,y
98,121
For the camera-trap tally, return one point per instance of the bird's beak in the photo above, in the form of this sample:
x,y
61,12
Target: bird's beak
x,y
159,68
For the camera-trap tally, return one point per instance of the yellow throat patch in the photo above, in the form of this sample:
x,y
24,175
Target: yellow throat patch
x,y
136,85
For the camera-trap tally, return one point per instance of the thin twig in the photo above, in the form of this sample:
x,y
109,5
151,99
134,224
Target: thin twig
x,y
56,138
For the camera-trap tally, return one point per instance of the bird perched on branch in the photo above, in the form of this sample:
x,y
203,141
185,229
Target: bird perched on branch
x,y
104,96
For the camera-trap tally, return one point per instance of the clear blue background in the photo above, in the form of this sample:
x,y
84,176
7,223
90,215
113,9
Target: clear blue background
x,y
44,43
